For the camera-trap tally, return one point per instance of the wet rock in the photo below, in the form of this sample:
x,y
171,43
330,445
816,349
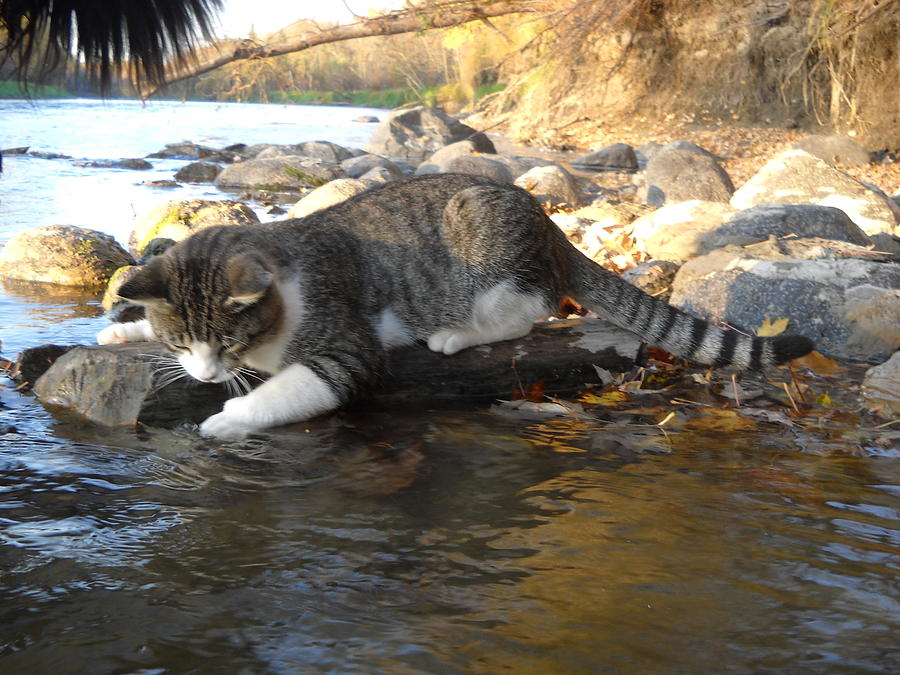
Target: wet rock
x,y
818,297
177,219
278,174
198,172
615,157
881,386
677,175
835,150
420,131
552,184
796,177
366,119
62,254
33,362
356,167
118,384
137,164
327,195
190,150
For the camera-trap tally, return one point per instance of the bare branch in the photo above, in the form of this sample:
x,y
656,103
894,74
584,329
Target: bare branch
x,y
412,19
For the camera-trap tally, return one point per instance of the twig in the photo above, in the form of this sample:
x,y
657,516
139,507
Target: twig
x,y
793,402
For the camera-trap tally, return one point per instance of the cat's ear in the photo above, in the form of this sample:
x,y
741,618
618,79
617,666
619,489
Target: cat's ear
x,y
248,279
147,285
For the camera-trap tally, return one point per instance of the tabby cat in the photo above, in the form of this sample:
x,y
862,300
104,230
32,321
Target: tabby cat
x,y
454,260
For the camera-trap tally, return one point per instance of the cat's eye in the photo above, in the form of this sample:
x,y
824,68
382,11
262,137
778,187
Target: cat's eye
x,y
180,348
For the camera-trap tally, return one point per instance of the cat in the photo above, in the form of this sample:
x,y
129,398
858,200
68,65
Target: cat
x,y
450,259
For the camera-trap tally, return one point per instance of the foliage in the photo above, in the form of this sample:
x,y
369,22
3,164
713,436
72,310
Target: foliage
x,y
10,89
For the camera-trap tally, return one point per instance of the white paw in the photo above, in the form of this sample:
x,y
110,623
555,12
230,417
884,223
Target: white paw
x,y
225,426
449,340
113,334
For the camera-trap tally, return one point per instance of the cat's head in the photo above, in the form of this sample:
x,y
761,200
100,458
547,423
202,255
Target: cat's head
x,y
209,311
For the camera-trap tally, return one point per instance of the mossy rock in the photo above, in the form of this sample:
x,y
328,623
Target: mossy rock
x,y
178,219
63,254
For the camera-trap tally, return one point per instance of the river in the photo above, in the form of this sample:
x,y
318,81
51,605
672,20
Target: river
x,y
444,541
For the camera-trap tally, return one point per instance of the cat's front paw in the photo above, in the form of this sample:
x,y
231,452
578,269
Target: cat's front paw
x,y
131,331
225,426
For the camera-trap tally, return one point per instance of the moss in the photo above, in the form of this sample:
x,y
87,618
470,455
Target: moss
x,y
307,178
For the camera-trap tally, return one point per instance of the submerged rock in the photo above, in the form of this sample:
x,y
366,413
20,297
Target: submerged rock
x,y
62,254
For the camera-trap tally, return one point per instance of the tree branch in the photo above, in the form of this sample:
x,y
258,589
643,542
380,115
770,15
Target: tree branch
x,y
413,19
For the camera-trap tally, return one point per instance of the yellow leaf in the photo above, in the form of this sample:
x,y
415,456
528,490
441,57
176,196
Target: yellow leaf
x,y
609,398
824,399
770,328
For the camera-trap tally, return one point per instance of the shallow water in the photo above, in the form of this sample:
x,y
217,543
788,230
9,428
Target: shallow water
x,y
456,541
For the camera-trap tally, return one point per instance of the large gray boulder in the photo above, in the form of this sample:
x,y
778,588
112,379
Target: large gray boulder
x,y
418,132
676,175
796,177
835,150
278,174
62,254
178,219
326,151
831,301
687,240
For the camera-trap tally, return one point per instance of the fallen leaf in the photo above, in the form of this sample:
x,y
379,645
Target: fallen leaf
x,y
608,399
770,328
820,365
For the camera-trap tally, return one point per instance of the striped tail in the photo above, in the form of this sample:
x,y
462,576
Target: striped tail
x,y
660,324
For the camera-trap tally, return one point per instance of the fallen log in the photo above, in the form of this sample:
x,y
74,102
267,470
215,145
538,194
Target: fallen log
x,y
119,384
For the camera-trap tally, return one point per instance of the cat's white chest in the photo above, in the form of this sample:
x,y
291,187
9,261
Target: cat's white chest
x,y
269,357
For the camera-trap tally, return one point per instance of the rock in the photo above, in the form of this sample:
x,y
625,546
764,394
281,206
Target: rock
x,y
177,219
690,147
520,164
553,184
688,240
654,277
33,362
378,175
835,150
817,296
117,308
117,384
672,221
874,315
678,175
161,183
137,164
437,163
479,166
198,172
278,174
190,150
356,167
326,151
615,157
881,386
327,195
796,177
418,132
366,119
62,254
888,243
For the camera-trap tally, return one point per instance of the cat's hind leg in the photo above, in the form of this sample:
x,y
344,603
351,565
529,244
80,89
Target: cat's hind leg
x,y
500,313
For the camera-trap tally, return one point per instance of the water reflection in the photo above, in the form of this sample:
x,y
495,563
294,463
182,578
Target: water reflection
x,y
443,542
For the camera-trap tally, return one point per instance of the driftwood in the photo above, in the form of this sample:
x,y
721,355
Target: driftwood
x,y
118,384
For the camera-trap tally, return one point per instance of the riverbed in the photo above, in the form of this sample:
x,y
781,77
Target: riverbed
x,y
421,541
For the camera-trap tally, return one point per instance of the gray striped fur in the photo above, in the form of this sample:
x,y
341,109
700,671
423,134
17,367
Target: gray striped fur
x,y
417,256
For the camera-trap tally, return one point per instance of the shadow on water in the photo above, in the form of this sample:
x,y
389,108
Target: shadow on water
x,y
442,542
